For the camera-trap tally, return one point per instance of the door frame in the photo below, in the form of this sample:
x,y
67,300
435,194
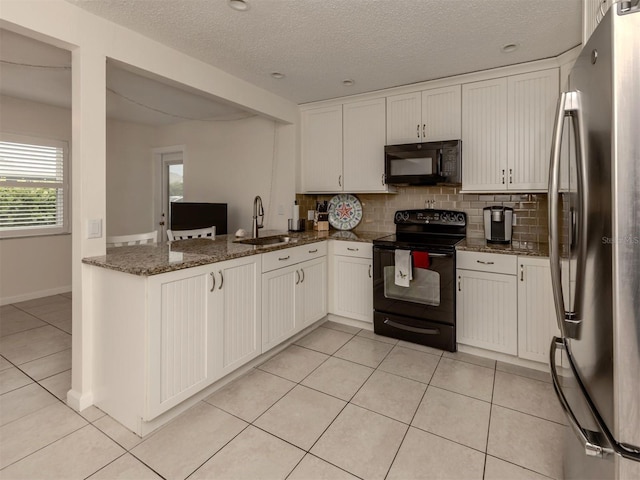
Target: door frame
x,y
159,190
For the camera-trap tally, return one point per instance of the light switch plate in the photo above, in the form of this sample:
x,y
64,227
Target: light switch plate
x,y
94,228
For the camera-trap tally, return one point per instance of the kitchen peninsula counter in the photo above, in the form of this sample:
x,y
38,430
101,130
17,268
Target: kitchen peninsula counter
x,y
532,249
154,259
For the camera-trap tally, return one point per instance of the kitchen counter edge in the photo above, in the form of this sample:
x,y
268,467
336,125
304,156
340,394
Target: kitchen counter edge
x,y
531,249
155,259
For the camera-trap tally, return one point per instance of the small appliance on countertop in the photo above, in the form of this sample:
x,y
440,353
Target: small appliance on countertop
x,y
498,222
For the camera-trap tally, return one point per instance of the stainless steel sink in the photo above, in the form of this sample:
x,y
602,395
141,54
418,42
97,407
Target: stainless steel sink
x,y
268,241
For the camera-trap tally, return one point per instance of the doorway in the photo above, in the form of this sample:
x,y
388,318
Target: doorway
x,y
171,187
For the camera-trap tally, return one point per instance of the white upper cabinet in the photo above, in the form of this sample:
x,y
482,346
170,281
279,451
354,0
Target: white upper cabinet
x,y
322,149
364,136
343,148
441,114
484,135
506,135
404,117
427,116
531,104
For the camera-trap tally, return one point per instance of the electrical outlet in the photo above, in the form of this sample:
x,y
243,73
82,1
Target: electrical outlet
x,y
513,220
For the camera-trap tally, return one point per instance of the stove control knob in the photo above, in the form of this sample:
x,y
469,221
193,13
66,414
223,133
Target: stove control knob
x,y
444,217
398,217
405,216
460,218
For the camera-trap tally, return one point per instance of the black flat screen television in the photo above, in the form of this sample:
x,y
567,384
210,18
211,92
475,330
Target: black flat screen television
x,y
192,215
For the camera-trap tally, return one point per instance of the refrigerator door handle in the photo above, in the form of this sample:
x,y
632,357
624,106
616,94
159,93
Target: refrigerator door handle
x,y
568,106
592,441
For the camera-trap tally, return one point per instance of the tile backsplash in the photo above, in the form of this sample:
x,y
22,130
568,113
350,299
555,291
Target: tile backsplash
x,y
530,209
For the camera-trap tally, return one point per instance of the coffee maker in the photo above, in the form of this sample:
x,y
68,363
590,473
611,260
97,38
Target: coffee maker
x,y
497,224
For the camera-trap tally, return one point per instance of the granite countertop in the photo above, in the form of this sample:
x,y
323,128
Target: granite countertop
x,y
532,249
153,259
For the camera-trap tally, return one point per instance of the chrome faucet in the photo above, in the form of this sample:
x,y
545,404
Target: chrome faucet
x,y
258,211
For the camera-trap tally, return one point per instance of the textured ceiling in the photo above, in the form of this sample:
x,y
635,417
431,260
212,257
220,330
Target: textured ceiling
x,y
377,43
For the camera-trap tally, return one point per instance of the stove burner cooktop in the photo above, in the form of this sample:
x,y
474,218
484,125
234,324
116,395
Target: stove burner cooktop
x,y
428,228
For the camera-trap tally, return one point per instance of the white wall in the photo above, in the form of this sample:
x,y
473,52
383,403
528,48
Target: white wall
x,y
233,161
130,178
33,267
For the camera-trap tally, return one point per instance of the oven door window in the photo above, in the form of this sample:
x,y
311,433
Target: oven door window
x,y
424,288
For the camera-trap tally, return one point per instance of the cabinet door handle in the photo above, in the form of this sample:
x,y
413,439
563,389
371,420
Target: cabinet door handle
x,y
383,179
213,277
284,258
302,270
503,176
459,283
484,263
370,271
510,175
221,280
297,277
424,134
339,180
352,249
418,130
521,273
313,251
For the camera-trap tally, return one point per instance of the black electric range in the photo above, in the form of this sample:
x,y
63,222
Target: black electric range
x,y
424,309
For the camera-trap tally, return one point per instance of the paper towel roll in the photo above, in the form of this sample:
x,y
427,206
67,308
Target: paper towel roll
x,y
295,215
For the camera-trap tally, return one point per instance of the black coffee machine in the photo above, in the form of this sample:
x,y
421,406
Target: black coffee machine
x,y
497,224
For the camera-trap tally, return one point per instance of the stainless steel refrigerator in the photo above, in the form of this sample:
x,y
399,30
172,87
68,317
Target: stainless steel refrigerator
x,y
594,242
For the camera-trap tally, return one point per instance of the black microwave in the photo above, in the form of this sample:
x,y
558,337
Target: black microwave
x,y
423,163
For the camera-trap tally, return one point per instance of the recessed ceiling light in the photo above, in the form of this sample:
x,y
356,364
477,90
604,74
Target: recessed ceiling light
x,y
510,47
239,5
277,75
348,82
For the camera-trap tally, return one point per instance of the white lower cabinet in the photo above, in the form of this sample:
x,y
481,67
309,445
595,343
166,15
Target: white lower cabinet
x,y
487,311
536,311
505,304
206,323
295,294
351,280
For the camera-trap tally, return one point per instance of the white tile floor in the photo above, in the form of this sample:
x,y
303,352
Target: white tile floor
x,y
341,403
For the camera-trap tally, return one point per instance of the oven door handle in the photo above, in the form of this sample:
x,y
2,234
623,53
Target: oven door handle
x,y
441,254
426,331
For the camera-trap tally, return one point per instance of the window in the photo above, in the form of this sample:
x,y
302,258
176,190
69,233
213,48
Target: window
x,y
34,186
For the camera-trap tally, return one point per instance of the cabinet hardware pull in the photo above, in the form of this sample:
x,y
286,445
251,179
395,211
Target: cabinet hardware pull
x,y
221,280
352,249
313,251
297,277
213,277
284,258
511,175
503,176
383,179
521,273
370,271
424,126
484,263
459,283
302,270
339,180
418,130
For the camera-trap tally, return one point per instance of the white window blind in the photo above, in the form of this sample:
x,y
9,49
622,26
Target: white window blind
x,y
34,190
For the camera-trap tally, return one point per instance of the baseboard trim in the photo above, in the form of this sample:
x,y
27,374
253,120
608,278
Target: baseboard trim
x,y
33,295
79,401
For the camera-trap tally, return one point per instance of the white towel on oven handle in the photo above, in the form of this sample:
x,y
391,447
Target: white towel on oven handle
x,y
403,273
